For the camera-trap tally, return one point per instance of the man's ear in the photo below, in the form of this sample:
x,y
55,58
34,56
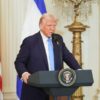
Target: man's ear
x,y
40,26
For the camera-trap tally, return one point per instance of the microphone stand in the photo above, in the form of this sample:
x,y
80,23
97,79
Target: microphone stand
x,y
58,42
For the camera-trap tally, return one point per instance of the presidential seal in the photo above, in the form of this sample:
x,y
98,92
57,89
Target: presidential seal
x,y
67,77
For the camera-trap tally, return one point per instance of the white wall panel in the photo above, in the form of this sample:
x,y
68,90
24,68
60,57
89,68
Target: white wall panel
x,y
12,16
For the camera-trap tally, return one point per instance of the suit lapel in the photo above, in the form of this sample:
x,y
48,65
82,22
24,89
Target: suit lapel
x,y
56,53
42,50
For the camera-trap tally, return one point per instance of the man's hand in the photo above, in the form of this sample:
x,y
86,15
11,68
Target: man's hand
x,y
25,76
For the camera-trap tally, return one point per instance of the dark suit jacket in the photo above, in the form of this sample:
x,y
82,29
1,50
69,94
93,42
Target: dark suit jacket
x,y
32,57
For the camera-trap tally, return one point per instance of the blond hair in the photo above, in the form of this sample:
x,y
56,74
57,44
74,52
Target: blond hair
x,y
47,16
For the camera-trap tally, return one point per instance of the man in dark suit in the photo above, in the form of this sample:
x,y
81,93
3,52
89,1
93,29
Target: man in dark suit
x,y
34,56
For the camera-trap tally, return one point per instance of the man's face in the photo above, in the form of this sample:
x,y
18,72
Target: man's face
x,y
48,27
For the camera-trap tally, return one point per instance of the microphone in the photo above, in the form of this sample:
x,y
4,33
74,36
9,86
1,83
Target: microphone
x,y
59,43
56,39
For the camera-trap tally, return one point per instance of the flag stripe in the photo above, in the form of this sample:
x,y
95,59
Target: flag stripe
x,y
19,87
41,5
0,78
0,83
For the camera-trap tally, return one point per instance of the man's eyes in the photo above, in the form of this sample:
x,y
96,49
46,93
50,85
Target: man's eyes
x,y
52,25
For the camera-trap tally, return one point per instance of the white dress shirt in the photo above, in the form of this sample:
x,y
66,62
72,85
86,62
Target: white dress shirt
x,y
45,39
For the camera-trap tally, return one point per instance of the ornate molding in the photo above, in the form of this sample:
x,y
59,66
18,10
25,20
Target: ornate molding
x,y
9,96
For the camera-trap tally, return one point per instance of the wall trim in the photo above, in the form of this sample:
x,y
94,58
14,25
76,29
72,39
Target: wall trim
x,y
9,96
